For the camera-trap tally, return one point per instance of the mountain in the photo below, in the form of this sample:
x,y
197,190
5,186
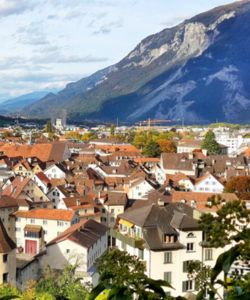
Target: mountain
x,y
14,105
197,71
53,104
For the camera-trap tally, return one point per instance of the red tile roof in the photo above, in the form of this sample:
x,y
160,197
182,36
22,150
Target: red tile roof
x,y
47,213
45,152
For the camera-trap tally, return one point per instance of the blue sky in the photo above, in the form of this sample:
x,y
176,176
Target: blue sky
x,y
47,43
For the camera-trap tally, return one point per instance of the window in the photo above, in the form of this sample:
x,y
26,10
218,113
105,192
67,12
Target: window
x,y
112,211
187,285
124,246
168,257
18,229
5,258
190,247
59,223
168,276
141,254
185,265
45,222
112,220
190,235
68,250
5,277
45,231
32,221
208,254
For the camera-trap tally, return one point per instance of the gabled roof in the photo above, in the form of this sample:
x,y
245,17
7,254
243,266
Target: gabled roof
x,y
201,199
16,187
47,213
159,221
116,198
43,177
45,152
177,161
86,234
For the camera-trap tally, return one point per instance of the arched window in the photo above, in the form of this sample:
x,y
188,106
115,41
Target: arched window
x,y
190,235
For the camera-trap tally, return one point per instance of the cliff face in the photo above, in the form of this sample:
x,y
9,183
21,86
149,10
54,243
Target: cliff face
x,y
197,70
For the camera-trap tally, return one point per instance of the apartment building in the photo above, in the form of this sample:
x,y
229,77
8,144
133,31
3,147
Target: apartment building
x,y
166,238
36,227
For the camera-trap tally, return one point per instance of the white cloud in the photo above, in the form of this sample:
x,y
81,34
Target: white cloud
x,y
15,7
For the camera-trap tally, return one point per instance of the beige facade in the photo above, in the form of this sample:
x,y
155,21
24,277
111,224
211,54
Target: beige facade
x,y
8,267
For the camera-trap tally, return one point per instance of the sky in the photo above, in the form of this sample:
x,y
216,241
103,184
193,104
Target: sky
x,y
46,44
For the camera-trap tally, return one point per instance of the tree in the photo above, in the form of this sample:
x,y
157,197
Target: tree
x,y
112,130
88,136
167,146
140,140
152,149
209,143
73,135
49,127
122,276
230,226
239,185
66,285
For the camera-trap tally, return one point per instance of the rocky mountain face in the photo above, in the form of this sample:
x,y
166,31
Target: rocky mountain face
x,y
196,71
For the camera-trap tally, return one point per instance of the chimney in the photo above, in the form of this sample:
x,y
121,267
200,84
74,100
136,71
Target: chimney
x,y
160,202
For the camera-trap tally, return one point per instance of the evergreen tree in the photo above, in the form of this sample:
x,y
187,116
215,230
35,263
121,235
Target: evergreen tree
x,y
209,143
49,127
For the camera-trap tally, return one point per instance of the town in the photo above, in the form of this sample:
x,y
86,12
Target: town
x,y
68,194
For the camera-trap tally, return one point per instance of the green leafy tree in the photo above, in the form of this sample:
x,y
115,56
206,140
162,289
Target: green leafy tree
x,y
209,143
122,276
230,226
152,149
66,285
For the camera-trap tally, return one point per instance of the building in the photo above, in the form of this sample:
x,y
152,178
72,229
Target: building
x,y
7,257
209,184
36,227
81,244
166,238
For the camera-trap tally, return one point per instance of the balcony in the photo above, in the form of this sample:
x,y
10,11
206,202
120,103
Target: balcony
x,y
131,241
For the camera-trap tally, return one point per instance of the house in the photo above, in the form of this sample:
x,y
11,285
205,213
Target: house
x,y
55,171
36,227
172,163
114,204
56,196
200,201
209,184
139,188
166,238
9,205
24,187
23,168
42,182
84,206
7,257
180,181
55,151
188,146
81,244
